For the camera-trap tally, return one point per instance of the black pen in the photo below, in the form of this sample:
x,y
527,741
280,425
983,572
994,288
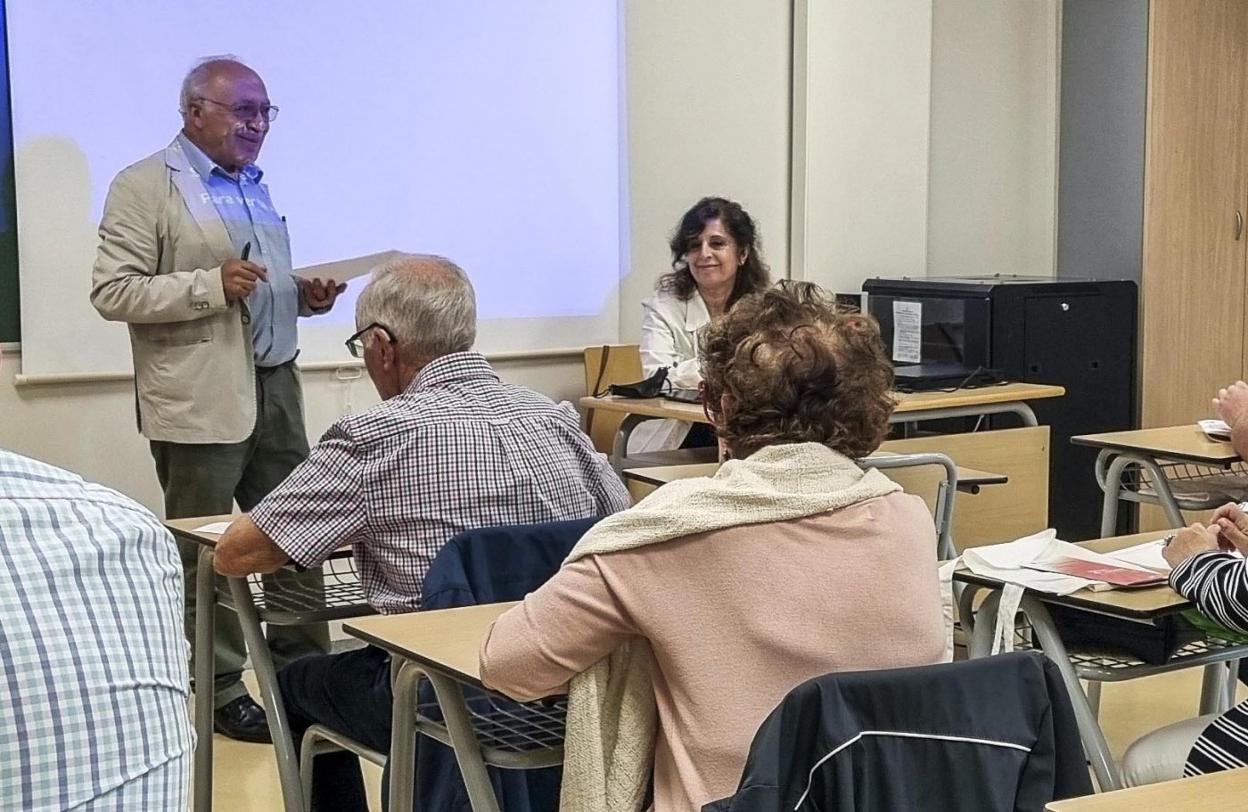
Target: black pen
x,y
246,251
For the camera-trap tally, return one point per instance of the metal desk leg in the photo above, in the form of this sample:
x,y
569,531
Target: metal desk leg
x,y
1110,480
1111,485
467,749
205,631
619,450
1217,688
1020,408
266,677
402,761
1232,684
1094,744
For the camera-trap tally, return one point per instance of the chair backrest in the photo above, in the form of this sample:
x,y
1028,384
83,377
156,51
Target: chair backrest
x,y
605,365
489,565
494,564
996,733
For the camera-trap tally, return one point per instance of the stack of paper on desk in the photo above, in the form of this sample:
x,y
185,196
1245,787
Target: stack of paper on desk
x,y
1215,429
1044,563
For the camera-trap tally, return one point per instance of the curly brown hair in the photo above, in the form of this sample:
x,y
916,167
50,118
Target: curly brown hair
x,y
796,369
752,276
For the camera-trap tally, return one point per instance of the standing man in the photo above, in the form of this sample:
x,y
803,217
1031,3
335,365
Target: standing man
x,y
194,257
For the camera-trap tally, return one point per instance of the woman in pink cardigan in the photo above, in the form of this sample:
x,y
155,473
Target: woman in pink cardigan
x,y
676,626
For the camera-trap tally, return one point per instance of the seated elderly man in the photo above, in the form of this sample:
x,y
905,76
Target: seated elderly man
x,y
449,448
94,696
704,604
1205,571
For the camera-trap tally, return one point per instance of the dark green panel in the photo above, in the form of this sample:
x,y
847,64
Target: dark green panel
x,y
10,311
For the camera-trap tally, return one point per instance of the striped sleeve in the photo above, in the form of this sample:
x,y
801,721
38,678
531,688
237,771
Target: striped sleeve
x,y
1218,584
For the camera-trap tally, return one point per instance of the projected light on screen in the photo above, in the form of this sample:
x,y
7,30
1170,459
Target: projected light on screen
x,y
485,131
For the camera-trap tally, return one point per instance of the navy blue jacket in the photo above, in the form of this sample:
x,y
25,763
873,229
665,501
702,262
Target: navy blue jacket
x,y
994,735
489,566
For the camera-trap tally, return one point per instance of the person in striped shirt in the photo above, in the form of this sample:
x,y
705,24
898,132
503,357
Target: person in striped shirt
x,y
93,662
1208,569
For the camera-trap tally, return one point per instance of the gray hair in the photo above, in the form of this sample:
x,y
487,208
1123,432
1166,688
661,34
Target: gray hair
x,y
425,301
197,78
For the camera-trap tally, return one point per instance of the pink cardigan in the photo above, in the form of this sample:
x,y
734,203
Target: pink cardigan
x,y
735,619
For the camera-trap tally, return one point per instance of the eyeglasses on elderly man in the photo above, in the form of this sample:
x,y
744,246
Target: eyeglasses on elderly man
x,y
355,344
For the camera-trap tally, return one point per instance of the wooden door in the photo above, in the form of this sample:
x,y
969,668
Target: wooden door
x,y
1193,291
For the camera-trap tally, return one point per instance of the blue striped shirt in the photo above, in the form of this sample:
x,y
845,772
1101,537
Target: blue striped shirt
x,y
250,217
93,662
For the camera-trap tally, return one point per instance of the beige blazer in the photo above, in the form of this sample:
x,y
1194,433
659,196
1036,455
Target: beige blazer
x,y
158,268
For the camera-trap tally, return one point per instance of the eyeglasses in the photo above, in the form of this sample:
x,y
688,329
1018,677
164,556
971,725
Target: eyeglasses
x,y
247,112
355,344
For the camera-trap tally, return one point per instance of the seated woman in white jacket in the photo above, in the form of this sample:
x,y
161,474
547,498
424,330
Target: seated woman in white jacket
x,y
715,261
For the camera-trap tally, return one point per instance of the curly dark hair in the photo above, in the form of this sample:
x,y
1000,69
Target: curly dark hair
x,y
751,276
797,369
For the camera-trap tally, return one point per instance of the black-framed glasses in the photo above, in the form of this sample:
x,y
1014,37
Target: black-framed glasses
x,y
355,344
246,112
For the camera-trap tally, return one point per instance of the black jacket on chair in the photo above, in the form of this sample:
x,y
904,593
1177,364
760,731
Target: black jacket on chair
x,y
991,734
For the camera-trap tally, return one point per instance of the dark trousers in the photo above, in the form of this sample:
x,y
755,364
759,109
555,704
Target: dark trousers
x,y
206,479
350,693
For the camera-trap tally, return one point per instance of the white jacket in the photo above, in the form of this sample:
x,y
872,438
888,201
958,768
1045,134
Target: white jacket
x,y
669,338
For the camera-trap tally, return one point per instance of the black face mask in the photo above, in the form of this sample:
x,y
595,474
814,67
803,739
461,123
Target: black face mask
x,y
651,387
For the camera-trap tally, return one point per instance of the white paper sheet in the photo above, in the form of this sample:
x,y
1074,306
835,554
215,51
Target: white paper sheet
x,y
908,332
215,528
345,269
1147,554
1215,429
1009,562
1005,562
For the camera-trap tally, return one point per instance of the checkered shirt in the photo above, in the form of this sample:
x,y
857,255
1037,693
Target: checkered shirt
x,y
93,662
459,449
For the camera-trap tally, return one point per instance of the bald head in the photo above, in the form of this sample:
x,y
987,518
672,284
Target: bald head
x,y
427,304
225,111
200,80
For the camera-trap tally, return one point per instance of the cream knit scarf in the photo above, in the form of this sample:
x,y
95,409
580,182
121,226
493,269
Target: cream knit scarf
x,y
612,720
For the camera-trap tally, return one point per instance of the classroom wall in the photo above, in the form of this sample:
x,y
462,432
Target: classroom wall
x,y
861,141
708,113
992,181
1104,71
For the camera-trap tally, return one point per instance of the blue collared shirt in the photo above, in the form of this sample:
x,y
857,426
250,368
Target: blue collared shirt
x,y
249,216
93,683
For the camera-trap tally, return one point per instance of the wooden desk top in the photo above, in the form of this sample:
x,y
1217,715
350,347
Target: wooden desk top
x,y
663,474
1216,792
445,640
1144,603
1187,443
185,528
906,402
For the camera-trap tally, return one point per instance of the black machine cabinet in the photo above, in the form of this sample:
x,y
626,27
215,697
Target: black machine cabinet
x,y
1076,333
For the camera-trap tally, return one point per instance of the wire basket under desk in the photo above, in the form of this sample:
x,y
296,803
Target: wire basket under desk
x,y
290,597
1103,667
512,735
1194,486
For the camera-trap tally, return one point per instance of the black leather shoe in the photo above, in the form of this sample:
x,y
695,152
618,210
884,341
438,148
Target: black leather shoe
x,y
242,720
